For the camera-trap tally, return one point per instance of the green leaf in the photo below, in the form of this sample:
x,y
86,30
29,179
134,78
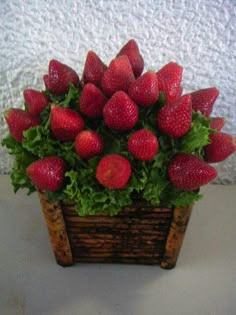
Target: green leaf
x,y
185,198
198,135
68,100
90,198
23,159
39,142
72,97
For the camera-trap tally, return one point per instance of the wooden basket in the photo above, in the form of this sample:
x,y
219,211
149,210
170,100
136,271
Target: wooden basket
x,y
139,234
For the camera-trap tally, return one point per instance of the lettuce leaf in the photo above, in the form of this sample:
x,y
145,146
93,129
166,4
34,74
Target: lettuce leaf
x,y
91,199
198,136
23,159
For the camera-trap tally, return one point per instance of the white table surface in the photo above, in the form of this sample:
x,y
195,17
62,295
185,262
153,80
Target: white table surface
x,y
203,282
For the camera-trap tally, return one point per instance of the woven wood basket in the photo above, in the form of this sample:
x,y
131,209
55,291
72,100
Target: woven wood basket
x,y
139,234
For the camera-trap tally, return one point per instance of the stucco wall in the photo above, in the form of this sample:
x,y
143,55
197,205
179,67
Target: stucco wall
x,y
198,34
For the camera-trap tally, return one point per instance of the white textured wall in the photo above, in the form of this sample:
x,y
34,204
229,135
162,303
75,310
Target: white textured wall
x,y
198,34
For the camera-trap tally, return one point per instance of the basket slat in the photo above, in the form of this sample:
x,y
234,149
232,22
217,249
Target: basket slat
x,y
57,230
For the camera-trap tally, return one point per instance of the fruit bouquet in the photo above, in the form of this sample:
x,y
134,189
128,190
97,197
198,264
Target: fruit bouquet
x,y
116,136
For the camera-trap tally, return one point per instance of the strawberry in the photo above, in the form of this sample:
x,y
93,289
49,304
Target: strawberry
x,y
217,123
118,76
222,146
18,121
60,77
47,173
92,101
88,144
169,80
179,92
131,50
189,172
93,69
65,123
143,144
120,112
175,118
35,101
46,81
113,171
144,91
203,100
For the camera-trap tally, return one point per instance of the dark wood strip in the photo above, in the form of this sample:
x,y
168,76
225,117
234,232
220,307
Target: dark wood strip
x,y
100,232
133,254
74,234
120,260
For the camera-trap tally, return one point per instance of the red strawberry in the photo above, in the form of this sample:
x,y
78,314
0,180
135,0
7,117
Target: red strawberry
x,y
35,101
222,146
113,171
180,91
169,80
131,50
47,173
120,112
217,123
60,77
88,144
65,123
203,100
175,118
92,101
144,91
118,76
18,121
93,69
46,81
188,172
143,144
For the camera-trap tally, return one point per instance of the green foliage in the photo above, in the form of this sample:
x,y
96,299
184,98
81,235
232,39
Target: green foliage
x,y
198,135
149,179
23,159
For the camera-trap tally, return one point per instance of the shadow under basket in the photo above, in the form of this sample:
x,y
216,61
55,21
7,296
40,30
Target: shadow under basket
x,y
139,234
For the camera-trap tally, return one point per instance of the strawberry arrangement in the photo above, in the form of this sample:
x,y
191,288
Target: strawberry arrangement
x,y
115,134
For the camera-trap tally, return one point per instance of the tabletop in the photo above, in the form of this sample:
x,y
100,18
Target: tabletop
x,y
202,283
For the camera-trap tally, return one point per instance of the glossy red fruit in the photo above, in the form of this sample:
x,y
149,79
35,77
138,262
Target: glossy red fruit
x,y
47,173
35,101
169,80
179,92
113,171
92,101
144,91
175,118
217,123
131,50
65,123
94,68
118,76
19,121
120,112
88,144
203,100
188,172
143,145
60,77
221,147
46,81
